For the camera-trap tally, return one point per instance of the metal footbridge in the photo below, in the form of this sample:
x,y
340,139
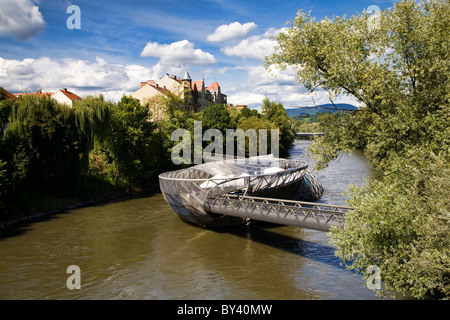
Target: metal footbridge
x,y
232,192
317,216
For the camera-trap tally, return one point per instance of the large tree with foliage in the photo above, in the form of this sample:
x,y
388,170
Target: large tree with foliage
x,y
256,123
177,118
397,65
44,150
130,145
216,116
276,114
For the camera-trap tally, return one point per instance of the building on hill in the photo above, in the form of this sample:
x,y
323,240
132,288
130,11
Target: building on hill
x,y
150,92
241,106
37,93
65,97
195,94
216,94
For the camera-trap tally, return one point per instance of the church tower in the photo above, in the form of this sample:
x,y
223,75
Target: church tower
x,y
187,81
188,92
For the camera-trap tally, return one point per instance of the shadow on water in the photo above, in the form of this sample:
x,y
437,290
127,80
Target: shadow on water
x,y
304,248
26,224
21,227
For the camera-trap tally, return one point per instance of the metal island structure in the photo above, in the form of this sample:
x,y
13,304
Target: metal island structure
x,y
226,191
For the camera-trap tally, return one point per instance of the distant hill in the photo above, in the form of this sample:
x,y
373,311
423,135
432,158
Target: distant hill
x,y
292,112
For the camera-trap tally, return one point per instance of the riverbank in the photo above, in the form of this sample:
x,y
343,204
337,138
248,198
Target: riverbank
x,y
41,207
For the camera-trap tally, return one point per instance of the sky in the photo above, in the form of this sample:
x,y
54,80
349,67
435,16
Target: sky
x,y
109,47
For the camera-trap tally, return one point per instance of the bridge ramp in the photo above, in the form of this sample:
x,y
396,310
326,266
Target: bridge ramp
x,y
317,216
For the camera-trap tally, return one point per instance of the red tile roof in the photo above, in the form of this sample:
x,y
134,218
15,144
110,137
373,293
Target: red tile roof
x,y
72,96
174,78
8,94
157,87
37,93
215,86
198,84
194,84
143,83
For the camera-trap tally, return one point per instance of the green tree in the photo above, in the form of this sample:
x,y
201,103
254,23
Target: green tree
x,y
216,116
256,123
129,144
275,113
247,113
4,187
45,150
235,116
399,69
178,118
47,144
5,111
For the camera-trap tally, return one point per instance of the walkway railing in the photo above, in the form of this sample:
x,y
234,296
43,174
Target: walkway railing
x,y
317,216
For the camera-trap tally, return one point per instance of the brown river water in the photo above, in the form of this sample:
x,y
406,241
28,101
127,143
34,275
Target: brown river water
x,y
140,249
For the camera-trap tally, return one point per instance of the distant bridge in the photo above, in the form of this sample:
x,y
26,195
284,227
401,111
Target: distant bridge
x,y
308,134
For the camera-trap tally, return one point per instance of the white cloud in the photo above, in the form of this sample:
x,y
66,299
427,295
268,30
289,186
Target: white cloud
x,y
178,53
246,97
213,72
113,80
255,47
20,18
231,31
80,76
260,76
279,86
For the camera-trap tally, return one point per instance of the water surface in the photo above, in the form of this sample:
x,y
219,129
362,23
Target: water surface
x,y
140,249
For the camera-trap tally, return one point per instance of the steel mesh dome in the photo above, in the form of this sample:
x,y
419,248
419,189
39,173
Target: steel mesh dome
x,y
187,190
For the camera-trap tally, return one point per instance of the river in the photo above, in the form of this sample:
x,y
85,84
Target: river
x,y
140,249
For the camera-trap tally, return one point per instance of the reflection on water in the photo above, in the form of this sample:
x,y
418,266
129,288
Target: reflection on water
x,y
140,249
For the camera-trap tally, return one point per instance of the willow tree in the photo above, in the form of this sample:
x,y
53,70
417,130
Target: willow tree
x,y
396,64
47,144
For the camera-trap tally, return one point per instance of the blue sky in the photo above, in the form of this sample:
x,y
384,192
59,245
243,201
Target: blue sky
x,y
121,43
